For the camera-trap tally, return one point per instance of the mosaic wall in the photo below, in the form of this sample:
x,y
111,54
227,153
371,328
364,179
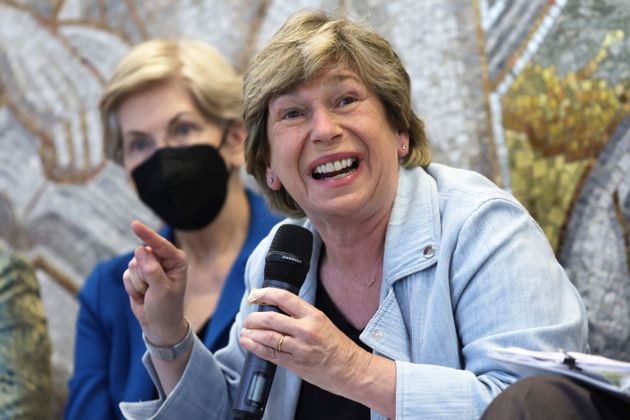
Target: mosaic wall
x,y
561,117
532,93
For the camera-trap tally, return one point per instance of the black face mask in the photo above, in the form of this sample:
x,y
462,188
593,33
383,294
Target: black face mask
x,y
185,186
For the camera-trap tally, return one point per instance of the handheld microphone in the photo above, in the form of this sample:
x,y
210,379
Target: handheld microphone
x,y
286,265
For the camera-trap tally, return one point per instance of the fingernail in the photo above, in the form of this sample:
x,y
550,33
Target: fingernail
x,y
255,295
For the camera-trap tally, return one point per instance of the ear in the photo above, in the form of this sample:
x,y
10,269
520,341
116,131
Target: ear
x,y
233,150
272,180
403,144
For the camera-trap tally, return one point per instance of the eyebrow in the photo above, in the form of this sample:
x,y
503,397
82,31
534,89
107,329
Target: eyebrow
x,y
343,77
171,122
180,116
132,133
337,78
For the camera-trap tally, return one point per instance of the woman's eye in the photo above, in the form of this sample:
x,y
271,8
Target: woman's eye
x,y
139,144
184,129
290,114
138,147
346,100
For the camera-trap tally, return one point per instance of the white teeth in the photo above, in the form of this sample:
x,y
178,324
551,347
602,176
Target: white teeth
x,y
334,166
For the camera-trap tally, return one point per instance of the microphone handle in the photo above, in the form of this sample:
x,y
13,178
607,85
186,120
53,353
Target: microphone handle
x,y
257,375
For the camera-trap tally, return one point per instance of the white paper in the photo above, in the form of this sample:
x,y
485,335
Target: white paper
x,y
604,373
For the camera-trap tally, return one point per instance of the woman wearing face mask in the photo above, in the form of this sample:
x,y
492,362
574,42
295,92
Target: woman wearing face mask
x,y
171,116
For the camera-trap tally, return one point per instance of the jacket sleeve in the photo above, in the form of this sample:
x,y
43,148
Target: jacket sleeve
x,y
506,289
89,395
210,381
205,390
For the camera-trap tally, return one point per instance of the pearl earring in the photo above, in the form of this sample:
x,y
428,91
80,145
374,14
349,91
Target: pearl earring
x,y
270,180
404,147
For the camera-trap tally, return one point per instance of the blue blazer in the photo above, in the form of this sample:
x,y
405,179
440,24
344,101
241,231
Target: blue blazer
x,y
108,350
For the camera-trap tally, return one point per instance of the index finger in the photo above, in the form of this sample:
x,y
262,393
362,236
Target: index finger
x,y
160,246
288,302
167,252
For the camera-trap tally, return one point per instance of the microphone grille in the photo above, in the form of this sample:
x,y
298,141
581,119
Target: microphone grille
x,y
289,256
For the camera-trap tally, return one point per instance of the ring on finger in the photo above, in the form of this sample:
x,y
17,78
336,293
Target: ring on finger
x,y
279,347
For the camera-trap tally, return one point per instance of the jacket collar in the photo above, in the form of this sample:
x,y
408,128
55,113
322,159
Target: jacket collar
x,y
413,232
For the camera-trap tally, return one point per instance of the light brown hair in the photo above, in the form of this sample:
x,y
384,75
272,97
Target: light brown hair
x,y
305,46
208,78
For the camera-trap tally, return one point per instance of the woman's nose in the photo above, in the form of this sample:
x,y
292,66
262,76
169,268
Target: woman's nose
x,y
165,140
324,125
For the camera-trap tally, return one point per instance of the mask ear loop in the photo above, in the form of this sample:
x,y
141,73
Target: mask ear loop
x,y
225,133
224,136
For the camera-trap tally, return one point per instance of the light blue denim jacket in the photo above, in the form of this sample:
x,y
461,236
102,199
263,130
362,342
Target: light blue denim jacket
x,y
465,269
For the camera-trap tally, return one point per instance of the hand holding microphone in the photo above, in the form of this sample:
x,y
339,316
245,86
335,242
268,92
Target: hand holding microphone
x,y
286,266
298,336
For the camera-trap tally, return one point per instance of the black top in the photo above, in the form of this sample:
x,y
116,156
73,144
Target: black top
x,y
315,403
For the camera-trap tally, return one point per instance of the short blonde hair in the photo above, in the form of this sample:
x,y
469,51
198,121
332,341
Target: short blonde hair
x,y
211,81
306,45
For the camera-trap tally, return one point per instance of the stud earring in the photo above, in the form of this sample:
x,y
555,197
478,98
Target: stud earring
x,y
270,180
404,147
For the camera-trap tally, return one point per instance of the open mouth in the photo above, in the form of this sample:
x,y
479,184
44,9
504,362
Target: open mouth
x,y
336,169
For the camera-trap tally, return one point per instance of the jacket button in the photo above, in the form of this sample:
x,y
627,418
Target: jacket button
x,y
429,251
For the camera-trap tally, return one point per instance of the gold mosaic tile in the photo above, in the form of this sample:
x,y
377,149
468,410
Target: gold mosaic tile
x,y
545,185
556,126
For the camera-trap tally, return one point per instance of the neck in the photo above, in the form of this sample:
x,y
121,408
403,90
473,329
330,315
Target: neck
x,y
351,268
355,252
227,231
357,238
